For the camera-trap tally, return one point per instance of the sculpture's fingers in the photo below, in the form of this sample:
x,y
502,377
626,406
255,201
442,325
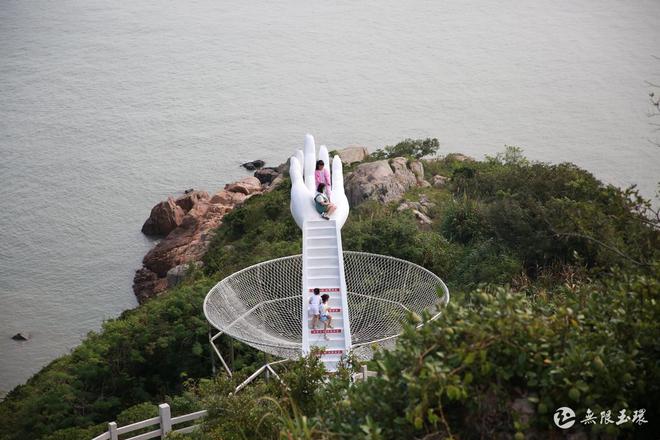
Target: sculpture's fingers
x,y
310,162
337,176
301,159
323,155
295,170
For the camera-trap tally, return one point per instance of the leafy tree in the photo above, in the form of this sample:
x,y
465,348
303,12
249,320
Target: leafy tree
x,y
416,148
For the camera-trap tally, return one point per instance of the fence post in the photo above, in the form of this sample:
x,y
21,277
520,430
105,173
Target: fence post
x,y
112,430
165,419
365,373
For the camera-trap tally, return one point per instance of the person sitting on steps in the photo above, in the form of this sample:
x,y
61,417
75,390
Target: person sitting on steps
x,y
326,319
323,205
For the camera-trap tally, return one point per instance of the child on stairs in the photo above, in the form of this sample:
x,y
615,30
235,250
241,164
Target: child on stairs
x,y
326,319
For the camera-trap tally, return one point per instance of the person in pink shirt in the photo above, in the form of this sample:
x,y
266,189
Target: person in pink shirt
x,y
322,175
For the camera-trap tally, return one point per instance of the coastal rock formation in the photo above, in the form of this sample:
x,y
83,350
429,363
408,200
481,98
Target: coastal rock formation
x,y
188,223
164,217
383,180
167,215
352,153
190,198
146,284
247,186
253,165
179,273
266,175
418,170
228,198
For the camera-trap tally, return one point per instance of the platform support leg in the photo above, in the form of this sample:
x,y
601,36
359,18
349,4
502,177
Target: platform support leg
x,y
217,352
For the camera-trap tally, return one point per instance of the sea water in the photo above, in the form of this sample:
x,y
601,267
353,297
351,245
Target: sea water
x,y
108,107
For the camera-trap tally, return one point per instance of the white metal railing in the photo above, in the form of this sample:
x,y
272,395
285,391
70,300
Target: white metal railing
x,y
164,420
364,374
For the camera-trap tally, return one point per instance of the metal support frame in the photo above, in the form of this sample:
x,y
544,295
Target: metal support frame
x,y
267,367
212,341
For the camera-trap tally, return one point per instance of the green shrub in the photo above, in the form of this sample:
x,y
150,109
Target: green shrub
x,y
464,223
416,148
594,347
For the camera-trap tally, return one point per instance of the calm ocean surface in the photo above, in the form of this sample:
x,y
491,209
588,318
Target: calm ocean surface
x,y
108,107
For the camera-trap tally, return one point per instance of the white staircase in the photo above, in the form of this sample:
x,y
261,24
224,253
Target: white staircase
x,y
323,268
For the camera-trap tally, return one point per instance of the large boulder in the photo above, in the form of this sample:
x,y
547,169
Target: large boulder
x,y
178,273
353,153
459,157
188,241
171,251
190,198
228,198
275,183
164,218
383,180
253,165
247,186
266,175
418,170
146,284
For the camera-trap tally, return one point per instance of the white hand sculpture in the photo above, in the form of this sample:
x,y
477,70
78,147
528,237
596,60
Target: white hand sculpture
x,y
303,190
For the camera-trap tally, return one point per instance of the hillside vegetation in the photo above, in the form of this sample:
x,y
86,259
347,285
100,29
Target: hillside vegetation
x,y
555,290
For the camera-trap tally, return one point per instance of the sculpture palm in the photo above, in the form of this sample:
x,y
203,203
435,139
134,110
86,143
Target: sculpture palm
x,y
303,184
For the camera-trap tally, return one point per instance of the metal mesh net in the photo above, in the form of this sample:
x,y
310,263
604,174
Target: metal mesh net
x,y
262,305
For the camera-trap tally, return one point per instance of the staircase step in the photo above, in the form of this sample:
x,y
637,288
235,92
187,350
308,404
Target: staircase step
x,y
320,223
321,237
332,352
328,331
326,289
322,227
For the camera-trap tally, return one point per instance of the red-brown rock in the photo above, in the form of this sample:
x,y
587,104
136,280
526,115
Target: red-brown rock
x,y
247,186
164,217
189,240
227,198
147,284
187,201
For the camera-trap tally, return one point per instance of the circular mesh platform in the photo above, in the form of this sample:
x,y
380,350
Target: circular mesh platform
x,y
262,306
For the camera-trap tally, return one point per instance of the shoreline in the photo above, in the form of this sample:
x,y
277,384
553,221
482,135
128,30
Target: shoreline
x,y
186,225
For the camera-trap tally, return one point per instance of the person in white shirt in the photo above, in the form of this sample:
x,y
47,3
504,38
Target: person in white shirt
x,y
315,307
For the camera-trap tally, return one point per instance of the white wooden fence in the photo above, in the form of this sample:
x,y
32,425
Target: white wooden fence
x,y
165,422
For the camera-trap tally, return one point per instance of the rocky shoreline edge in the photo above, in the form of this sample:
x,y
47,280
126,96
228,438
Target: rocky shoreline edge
x,y
187,223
